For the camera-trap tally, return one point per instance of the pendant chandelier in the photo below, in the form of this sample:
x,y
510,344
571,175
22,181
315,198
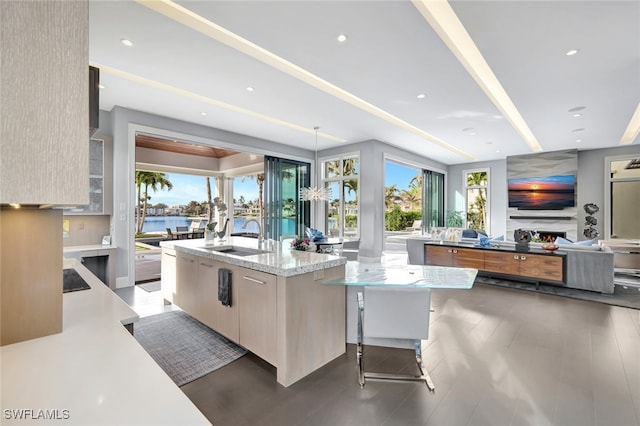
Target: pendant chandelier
x,y
315,193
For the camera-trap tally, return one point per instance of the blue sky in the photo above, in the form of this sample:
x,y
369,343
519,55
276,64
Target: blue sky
x,y
188,188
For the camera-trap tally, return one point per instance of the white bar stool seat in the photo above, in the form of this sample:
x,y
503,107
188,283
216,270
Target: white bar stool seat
x,y
398,314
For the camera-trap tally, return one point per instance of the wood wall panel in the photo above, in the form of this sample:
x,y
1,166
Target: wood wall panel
x,y
30,273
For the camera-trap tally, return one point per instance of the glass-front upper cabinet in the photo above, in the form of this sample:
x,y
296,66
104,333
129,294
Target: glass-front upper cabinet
x,y
98,181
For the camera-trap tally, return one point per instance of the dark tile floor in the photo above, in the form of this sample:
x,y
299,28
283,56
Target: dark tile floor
x,y
497,356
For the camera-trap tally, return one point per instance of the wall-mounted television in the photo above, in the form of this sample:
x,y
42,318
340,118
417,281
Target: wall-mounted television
x,y
542,193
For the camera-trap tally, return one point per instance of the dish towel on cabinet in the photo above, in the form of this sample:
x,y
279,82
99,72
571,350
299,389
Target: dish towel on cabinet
x,y
224,286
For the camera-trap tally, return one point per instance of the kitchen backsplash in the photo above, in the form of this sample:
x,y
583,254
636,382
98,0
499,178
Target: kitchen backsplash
x,y
84,230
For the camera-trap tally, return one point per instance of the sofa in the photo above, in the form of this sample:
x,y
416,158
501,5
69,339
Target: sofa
x,y
587,267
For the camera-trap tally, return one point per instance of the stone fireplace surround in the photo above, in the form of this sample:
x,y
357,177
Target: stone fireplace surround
x,y
536,165
552,221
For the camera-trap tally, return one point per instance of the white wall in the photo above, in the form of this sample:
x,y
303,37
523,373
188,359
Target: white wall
x,y
372,158
497,191
123,124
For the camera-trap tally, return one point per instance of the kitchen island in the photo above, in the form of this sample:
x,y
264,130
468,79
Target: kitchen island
x,y
94,372
279,309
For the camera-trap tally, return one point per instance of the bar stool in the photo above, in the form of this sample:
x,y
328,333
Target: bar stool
x,y
397,315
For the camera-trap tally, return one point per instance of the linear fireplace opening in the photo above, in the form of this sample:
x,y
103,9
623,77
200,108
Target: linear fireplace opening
x,y
547,236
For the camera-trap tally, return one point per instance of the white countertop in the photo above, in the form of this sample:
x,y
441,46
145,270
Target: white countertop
x,y
94,369
75,249
279,260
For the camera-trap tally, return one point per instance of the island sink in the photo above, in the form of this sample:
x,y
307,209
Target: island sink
x,y
236,251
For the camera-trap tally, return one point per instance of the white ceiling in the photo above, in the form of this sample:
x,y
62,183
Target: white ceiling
x,y
391,55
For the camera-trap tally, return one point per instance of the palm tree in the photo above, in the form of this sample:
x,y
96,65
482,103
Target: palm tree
x,y
391,196
412,196
476,209
209,202
144,181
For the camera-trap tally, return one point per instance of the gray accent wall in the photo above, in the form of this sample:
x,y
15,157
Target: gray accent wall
x,y
590,185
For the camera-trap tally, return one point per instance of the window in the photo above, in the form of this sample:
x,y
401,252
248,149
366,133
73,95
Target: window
x,y
477,195
341,175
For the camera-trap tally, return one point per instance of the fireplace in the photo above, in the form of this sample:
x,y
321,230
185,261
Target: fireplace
x,y
548,236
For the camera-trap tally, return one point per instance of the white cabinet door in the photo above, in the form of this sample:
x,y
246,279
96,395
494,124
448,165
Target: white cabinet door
x,y
208,292
227,316
257,313
168,271
186,294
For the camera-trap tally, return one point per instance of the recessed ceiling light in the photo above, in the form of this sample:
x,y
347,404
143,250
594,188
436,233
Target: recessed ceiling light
x,y
577,115
341,38
472,134
250,89
100,86
421,96
126,42
578,140
203,113
497,150
572,52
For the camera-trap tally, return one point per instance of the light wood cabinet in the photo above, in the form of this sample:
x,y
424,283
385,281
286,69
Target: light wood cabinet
x,y
208,292
295,323
227,322
257,312
168,272
186,294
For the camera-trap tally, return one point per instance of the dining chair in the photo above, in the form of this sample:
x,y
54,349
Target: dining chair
x,y
397,316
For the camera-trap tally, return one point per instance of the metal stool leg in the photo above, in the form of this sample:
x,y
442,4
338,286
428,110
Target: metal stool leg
x,y
359,348
423,371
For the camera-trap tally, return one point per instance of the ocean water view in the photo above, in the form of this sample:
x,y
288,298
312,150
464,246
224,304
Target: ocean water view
x,y
161,223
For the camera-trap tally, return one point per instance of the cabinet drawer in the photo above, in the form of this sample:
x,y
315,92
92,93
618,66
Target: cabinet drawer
x,y
504,263
435,255
548,268
466,258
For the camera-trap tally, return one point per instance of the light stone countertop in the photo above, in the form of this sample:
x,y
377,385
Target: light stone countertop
x,y
279,259
75,249
94,369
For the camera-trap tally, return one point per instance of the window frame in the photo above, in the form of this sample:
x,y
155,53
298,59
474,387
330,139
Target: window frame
x,y
488,191
340,180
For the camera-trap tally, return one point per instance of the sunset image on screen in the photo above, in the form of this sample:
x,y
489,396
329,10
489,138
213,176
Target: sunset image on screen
x,y
552,192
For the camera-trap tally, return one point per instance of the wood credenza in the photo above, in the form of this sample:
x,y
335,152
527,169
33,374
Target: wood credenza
x,y
538,265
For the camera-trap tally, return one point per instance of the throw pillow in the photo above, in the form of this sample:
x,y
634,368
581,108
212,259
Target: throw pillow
x,y
563,242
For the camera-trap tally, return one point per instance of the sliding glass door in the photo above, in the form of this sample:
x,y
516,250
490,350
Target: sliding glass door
x,y
433,199
285,213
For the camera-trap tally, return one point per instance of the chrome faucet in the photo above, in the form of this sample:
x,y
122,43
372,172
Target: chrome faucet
x,y
260,235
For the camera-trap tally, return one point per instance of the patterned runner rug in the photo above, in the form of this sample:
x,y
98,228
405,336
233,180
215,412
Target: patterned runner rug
x,y
183,347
